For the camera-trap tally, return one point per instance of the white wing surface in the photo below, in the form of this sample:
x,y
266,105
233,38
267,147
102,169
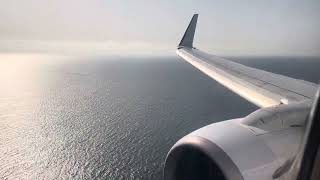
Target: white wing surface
x,y
262,88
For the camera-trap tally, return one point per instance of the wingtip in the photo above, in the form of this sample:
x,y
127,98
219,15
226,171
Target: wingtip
x,y
187,39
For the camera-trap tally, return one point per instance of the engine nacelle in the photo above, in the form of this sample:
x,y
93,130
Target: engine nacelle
x,y
236,150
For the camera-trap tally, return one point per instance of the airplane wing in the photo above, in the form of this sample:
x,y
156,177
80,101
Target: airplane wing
x,y
262,145
262,88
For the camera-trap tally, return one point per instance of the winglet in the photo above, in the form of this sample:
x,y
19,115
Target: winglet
x,y
187,39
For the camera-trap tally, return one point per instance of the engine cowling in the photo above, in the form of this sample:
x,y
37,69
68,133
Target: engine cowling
x,y
237,150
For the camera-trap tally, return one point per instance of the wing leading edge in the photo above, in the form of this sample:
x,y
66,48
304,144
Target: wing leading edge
x,y
262,88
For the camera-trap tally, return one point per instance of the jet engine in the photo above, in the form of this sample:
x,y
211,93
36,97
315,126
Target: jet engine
x,y
254,147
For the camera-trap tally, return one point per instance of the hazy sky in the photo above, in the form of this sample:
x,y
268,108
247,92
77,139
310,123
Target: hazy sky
x,y
280,27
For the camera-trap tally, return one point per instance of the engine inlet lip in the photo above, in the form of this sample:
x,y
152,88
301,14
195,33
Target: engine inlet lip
x,y
217,155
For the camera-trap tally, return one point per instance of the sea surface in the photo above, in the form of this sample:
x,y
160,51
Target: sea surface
x,y
111,117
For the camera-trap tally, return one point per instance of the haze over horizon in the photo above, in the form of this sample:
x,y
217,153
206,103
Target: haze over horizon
x,y
288,27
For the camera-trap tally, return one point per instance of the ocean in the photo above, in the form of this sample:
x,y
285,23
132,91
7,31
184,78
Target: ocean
x,y
111,117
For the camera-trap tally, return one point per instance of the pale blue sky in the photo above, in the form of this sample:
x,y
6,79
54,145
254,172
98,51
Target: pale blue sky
x,y
257,27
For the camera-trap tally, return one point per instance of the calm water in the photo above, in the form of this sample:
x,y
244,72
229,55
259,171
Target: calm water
x,y
111,117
